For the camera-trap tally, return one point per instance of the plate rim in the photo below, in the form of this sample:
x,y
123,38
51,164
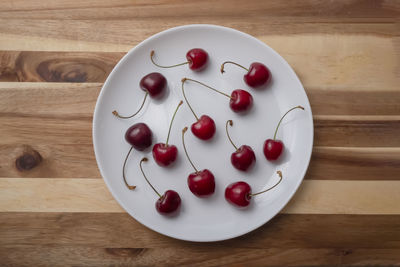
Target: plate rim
x,y
142,43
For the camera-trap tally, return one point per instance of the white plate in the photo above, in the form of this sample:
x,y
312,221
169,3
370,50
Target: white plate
x,y
209,219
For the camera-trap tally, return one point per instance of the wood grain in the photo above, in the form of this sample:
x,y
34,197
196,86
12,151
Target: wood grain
x,y
354,65
89,256
91,195
119,230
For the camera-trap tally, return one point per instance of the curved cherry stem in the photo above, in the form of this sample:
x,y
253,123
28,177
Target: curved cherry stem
x,y
144,175
134,114
130,187
230,122
187,102
231,62
205,85
172,120
184,147
279,123
165,67
266,190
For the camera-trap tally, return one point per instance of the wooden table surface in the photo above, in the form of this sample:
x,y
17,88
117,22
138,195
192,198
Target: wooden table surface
x,y
56,210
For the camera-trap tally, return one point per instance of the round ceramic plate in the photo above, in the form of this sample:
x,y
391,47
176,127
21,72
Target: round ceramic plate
x,y
213,218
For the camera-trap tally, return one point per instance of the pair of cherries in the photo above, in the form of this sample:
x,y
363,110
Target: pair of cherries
x,y
257,74
243,157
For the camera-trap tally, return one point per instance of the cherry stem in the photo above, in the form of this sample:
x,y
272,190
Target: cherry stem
x,y
279,123
144,175
172,120
205,85
187,102
184,147
280,179
231,62
230,122
130,187
134,114
165,67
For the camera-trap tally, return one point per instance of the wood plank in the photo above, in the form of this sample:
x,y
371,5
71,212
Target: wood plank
x,y
119,230
353,67
78,161
274,32
123,9
354,131
354,163
91,195
78,99
89,256
357,131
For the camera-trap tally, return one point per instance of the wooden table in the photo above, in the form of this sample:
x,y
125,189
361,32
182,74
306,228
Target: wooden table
x,y
56,210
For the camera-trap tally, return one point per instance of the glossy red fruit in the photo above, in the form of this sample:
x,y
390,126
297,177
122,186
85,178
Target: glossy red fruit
x,y
243,158
202,183
139,136
258,75
197,59
169,202
238,194
204,128
273,149
154,83
164,155
241,100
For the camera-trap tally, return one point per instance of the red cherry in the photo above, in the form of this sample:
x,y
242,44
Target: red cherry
x,y
197,59
241,100
165,154
204,127
167,203
257,75
153,84
243,158
139,136
239,193
202,183
274,148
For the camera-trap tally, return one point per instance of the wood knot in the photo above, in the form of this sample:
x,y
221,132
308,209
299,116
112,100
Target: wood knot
x,y
28,160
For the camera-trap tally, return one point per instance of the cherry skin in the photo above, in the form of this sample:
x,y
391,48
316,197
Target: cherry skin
x,y
164,155
204,128
197,59
258,75
139,136
240,101
154,84
238,194
202,183
243,158
168,203
273,149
